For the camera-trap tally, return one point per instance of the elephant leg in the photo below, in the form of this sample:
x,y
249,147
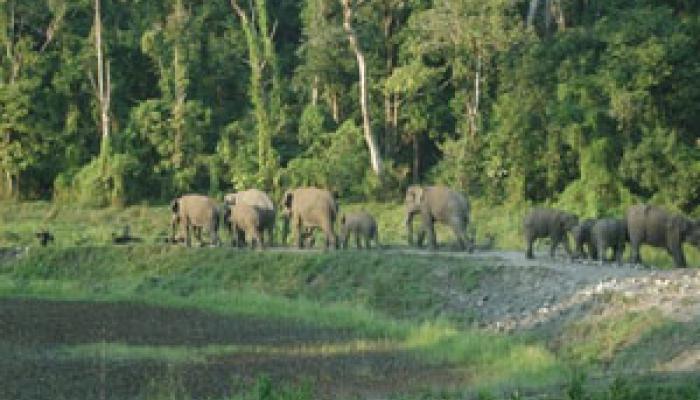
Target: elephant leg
x,y
358,242
367,242
635,256
421,237
619,250
554,245
297,232
429,228
458,230
188,239
529,240
676,252
331,238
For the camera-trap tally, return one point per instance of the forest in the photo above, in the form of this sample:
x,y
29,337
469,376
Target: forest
x,y
589,103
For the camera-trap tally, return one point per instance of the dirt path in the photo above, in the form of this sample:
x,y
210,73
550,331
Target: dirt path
x,y
516,293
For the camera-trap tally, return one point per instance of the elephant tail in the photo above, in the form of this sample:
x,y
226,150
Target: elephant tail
x,y
342,219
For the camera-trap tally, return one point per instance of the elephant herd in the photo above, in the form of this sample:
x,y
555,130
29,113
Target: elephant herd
x,y
250,217
642,224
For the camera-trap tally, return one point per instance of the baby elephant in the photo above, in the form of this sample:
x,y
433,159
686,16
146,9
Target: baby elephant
x,y
244,222
582,237
609,233
362,225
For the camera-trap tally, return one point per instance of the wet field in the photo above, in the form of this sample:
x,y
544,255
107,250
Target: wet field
x,y
71,350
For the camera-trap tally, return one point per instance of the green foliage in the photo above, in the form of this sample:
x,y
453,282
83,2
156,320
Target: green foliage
x,y
100,183
336,160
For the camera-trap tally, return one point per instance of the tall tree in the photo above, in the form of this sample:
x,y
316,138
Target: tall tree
x,y
265,91
374,154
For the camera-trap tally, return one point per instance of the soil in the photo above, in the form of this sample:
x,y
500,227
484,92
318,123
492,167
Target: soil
x,y
32,329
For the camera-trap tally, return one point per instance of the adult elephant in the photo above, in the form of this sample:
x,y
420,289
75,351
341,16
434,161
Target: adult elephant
x,y
551,223
195,212
647,224
260,200
308,208
437,204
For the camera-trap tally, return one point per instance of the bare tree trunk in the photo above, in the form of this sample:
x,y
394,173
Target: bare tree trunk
x,y
335,109
558,14
314,91
375,158
389,128
416,158
103,83
531,12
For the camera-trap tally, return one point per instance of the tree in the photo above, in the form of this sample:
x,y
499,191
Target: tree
x,y
374,155
264,74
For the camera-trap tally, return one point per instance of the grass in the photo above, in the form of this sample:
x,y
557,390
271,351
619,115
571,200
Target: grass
x,y
355,291
599,339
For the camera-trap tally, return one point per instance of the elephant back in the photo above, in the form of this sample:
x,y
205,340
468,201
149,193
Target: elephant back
x,y
251,197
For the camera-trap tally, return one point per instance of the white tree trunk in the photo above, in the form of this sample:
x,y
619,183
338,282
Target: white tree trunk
x,y
531,12
103,82
375,158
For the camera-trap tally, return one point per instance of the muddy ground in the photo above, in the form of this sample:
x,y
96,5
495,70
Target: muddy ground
x,y
33,329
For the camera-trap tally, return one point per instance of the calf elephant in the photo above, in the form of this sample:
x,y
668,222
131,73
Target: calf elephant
x,y
647,224
244,222
609,233
195,213
307,208
266,208
437,204
547,222
360,224
582,238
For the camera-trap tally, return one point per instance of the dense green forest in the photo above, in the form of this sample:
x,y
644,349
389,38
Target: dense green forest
x,y
594,103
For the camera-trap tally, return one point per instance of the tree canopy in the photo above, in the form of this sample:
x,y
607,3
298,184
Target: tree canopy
x,y
588,102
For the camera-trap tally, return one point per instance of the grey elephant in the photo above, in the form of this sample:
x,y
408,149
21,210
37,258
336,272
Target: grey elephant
x,y
244,222
259,199
581,234
362,225
551,223
609,233
193,212
647,224
307,208
437,204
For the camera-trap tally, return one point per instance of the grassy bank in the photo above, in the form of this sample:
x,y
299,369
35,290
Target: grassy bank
x,y
387,304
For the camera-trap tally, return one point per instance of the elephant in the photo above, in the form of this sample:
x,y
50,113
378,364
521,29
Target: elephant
x,y
310,207
609,233
362,225
244,222
582,237
259,199
548,222
195,213
647,224
437,204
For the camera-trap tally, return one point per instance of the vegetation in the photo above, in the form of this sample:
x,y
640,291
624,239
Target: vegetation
x,y
591,105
